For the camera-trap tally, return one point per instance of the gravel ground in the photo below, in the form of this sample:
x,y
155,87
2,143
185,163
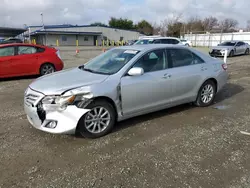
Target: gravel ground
x,y
182,147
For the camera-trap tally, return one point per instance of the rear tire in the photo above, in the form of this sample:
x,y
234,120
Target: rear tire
x,y
206,94
99,121
47,68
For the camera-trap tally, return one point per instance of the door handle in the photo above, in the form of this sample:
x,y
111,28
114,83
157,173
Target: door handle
x,y
166,76
203,68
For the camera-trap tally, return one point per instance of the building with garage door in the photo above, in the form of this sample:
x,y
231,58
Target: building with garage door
x,y
85,35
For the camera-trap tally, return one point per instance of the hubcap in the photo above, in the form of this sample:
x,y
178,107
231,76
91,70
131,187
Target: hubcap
x,y
207,93
97,120
47,69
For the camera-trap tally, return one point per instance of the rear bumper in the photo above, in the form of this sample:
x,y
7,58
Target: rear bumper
x,y
222,80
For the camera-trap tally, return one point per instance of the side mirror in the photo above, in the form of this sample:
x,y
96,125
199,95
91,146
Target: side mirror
x,y
136,71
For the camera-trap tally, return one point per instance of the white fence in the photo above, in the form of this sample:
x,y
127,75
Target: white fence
x,y
213,39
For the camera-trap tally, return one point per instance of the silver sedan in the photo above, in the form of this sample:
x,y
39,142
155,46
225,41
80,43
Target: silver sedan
x,y
232,47
122,83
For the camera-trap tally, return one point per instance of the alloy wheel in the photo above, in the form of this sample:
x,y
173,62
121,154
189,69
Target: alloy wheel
x,y
207,93
97,120
47,69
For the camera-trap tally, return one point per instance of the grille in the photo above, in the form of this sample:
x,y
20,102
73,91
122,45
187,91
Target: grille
x,y
32,97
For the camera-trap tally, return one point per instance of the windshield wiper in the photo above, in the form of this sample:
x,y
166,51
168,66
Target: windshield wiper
x,y
93,71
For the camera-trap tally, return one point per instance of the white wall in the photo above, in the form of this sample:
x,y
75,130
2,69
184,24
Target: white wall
x,y
89,42
216,38
70,40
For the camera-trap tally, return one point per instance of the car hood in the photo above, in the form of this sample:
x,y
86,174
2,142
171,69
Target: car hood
x,y
222,47
58,82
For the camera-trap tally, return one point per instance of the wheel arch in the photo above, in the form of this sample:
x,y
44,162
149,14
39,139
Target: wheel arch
x,y
109,100
213,80
101,98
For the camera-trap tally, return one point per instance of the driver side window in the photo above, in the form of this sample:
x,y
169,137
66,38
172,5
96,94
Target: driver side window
x,y
153,61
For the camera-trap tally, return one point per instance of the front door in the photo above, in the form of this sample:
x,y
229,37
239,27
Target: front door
x,y
150,90
186,73
6,56
239,48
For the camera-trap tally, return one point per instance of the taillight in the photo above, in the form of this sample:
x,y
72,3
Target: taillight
x,y
58,54
224,66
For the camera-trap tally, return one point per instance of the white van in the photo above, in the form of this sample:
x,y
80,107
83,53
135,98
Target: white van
x,y
158,40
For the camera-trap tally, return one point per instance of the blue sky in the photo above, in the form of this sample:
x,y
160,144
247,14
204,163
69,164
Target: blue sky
x,y
18,13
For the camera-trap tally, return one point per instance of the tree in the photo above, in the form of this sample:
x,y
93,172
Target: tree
x,y
194,24
228,25
144,27
171,26
121,23
209,23
98,24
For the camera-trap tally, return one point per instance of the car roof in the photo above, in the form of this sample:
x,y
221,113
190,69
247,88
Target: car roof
x,y
21,44
143,38
145,47
148,47
233,41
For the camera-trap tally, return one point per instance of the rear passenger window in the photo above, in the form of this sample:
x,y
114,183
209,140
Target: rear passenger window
x,y
183,57
40,50
7,51
174,41
26,50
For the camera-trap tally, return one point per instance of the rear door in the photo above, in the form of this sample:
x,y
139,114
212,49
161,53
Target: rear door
x,y
25,60
186,71
6,57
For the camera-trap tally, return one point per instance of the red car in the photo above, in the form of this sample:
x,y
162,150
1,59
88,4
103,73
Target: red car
x,y
18,59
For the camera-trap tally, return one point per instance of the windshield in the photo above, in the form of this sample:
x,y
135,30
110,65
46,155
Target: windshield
x,y
227,44
110,62
145,41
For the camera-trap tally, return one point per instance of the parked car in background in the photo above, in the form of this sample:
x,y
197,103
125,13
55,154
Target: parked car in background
x,y
27,59
122,83
158,40
186,42
11,40
233,48
131,42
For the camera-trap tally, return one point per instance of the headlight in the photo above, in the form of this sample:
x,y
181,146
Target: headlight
x,y
68,98
49,99
61,100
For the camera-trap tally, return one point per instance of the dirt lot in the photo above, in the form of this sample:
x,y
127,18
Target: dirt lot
x,y
179,147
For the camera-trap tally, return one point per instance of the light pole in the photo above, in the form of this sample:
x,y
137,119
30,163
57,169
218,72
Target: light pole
x,y
42,20
44,28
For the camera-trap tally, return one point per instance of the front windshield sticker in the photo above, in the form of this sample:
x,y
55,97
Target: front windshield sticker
x,y
131,51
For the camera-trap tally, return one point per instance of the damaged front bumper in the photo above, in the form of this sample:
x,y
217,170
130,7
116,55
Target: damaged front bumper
x,y
50,118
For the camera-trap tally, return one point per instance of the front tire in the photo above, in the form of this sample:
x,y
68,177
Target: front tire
x,y
206,94
247,52
99,121
231,54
